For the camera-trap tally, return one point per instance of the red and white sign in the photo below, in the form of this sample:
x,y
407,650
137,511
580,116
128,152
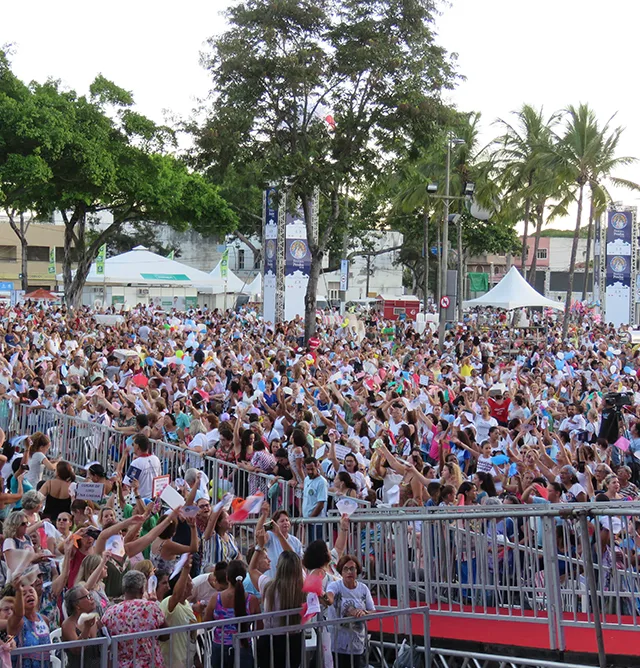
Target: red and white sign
x,y
444,302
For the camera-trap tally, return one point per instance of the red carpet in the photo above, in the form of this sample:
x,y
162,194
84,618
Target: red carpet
x,y
520,632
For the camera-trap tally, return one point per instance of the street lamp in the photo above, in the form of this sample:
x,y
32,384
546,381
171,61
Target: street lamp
x,y
432,188
451,141
469,189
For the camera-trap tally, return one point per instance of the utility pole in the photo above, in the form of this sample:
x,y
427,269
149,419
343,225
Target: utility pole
x,y
445,247
426,261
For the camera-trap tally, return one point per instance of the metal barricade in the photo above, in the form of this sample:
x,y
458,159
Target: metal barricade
x,y
93,652
450,658
378,638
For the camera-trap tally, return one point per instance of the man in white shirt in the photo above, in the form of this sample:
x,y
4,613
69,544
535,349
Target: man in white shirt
x,y
574,421
147,463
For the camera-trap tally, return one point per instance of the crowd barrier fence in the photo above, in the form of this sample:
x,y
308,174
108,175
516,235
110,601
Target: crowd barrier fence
x,y
560,565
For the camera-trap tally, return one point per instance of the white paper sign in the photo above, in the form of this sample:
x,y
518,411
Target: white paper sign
x,y
172,498
90,491
347,506
342,451
179,564
424,380
159,484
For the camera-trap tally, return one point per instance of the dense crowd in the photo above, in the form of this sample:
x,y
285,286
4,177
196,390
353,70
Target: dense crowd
x,y
264,424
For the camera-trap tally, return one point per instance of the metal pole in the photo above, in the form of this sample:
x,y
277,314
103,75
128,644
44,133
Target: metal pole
x,y
439,272
593,592
426,261
445,247
368,274
460,271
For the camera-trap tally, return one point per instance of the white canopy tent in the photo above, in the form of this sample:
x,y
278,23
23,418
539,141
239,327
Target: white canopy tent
x,y
142,267
513,292
232,283
255,287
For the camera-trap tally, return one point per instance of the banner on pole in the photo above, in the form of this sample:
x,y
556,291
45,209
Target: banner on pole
x,y
224,264
52,260
344,275
101,257
618,267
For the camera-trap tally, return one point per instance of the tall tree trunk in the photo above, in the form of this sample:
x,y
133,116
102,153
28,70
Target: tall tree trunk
x,y
536,243
20,230
527,214
587,258
572,265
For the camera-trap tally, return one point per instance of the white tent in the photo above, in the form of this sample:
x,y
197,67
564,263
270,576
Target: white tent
x,y
142,267
231,282
511,293
255,287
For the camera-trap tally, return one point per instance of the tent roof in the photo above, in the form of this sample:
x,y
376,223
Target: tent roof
x,y
142,267
233,283
41,293
513,292
255,287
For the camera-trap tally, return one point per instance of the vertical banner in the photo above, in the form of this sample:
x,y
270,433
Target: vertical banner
x,y
270,250
52,261
344,275
618,267
102,254
224,264
171,255
297,262
597,258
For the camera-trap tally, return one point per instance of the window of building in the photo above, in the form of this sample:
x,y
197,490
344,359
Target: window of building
x,y
241,258
8,253
38,253
542,254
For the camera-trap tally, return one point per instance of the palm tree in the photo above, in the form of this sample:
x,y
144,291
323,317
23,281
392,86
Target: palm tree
x,y
577,157
600,197
518,151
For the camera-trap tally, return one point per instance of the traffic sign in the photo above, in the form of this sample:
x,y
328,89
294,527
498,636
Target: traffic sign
x,y
444,302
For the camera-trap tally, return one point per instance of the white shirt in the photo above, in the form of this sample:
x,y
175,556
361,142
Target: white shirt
x,y
150,468
483,426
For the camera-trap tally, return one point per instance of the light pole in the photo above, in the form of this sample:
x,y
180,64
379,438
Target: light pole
x,y
431,189
468,193
451,141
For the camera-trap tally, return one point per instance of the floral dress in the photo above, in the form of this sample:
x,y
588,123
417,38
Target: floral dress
x,y
133,616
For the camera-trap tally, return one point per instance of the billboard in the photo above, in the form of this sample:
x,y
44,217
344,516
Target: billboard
x,y
270,250
619,239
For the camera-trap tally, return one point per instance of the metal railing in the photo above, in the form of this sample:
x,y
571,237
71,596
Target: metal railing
x,y
377,639
93,652
450,658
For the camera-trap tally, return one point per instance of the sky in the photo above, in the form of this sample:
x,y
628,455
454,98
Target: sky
x,y
548,53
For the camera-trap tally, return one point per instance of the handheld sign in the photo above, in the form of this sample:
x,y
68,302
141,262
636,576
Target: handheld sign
x,y
90,491
159,484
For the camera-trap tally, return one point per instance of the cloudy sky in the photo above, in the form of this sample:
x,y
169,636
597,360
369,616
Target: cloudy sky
x,y
549,53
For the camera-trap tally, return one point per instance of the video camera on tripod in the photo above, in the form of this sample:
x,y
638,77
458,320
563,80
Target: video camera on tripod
x,y
619,399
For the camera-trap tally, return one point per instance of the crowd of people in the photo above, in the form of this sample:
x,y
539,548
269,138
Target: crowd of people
x,y
375,413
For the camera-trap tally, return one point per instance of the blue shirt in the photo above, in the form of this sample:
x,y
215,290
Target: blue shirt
x,y
314,491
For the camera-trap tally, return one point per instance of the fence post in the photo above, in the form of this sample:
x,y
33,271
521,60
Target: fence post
x,y
552,583
402,574
592,588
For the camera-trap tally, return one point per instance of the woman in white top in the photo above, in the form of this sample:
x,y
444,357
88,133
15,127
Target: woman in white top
x,y
38,461
198,444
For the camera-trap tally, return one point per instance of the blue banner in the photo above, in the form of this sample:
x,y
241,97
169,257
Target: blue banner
x,y
618,267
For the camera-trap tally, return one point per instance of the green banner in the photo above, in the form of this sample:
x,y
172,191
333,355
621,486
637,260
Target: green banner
x,y
52,260
101,257
224,264
191,302
478,282
117,299
165,277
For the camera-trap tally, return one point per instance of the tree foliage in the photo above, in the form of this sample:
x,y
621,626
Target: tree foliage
x,y
281,68
86,154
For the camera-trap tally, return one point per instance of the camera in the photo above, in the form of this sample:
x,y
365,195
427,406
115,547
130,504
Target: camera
x,y
268,525
582,437
619,399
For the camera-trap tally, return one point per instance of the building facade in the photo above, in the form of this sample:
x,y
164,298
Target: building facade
x,y
41,237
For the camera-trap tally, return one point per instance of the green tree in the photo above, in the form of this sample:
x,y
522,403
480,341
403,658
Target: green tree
x,y
116,160
32,126
517,154
281,68
576,157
